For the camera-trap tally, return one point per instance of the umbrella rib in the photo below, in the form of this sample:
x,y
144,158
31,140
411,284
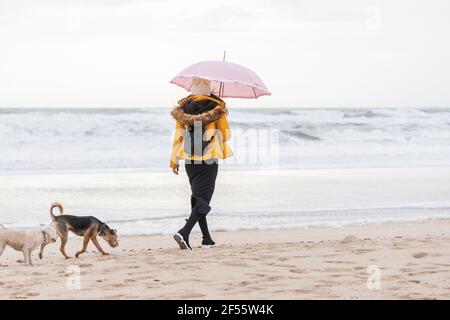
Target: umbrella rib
x,y
254,92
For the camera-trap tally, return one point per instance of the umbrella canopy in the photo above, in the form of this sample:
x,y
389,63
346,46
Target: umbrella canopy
x,y
228,80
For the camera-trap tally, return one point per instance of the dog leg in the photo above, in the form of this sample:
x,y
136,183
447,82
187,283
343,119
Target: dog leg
x,y
2,248
24,257
85,244
29,257
62,248
97,245
41,252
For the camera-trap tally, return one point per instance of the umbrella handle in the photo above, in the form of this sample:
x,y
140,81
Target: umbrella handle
x,y
222,85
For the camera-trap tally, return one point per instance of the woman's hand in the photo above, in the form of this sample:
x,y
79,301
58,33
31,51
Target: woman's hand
x,y
175,170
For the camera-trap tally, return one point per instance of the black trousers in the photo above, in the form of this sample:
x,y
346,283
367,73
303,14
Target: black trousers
x,y
202,178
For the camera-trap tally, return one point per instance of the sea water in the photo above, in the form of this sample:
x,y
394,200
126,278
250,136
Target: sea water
x,y
49,140
113,163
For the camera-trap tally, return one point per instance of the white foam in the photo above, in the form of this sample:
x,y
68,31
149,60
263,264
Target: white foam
x,y
69,140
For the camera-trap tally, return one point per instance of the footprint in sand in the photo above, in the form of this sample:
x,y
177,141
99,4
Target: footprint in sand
x,y
331,270
337,275
362,251
339,262
429,272
397,246
236,264
116,297
414,281
33,294
192,296
297,270
322,256
244,283
256,275
410,264
419,255
85,265
395,288
303,291
350,240
130,280
322,284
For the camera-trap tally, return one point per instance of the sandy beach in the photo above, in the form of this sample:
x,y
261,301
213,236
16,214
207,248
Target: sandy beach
x,y
411,260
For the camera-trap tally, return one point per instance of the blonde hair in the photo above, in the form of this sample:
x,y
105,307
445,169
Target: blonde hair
x,y
201,87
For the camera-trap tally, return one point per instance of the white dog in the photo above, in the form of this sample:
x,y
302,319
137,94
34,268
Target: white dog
x,y
27,241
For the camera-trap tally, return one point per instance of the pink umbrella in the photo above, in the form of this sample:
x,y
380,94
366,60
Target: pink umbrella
x,y
228,80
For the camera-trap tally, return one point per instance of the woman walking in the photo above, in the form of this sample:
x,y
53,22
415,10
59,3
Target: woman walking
x,y
200,137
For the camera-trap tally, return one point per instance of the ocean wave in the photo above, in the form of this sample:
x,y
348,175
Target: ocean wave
x,y
366,114
85,139
301,135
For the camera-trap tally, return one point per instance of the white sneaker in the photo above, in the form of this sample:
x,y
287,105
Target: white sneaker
x,y
181,242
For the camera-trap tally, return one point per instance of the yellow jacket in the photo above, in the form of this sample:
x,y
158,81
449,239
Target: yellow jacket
x,y
216,127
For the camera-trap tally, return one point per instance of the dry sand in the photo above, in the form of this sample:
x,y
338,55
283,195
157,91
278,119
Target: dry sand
x,y
318,263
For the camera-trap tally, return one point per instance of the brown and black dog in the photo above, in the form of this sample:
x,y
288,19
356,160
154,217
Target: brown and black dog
x,y
87,227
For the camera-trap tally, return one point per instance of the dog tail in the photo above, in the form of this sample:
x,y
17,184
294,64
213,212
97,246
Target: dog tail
x,y
56,205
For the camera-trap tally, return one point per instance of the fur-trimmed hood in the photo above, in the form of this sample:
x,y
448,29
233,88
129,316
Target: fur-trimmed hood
x,y
206,117
195,108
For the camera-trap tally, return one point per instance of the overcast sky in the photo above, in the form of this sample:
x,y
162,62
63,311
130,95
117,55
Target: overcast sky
x,y
318,53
